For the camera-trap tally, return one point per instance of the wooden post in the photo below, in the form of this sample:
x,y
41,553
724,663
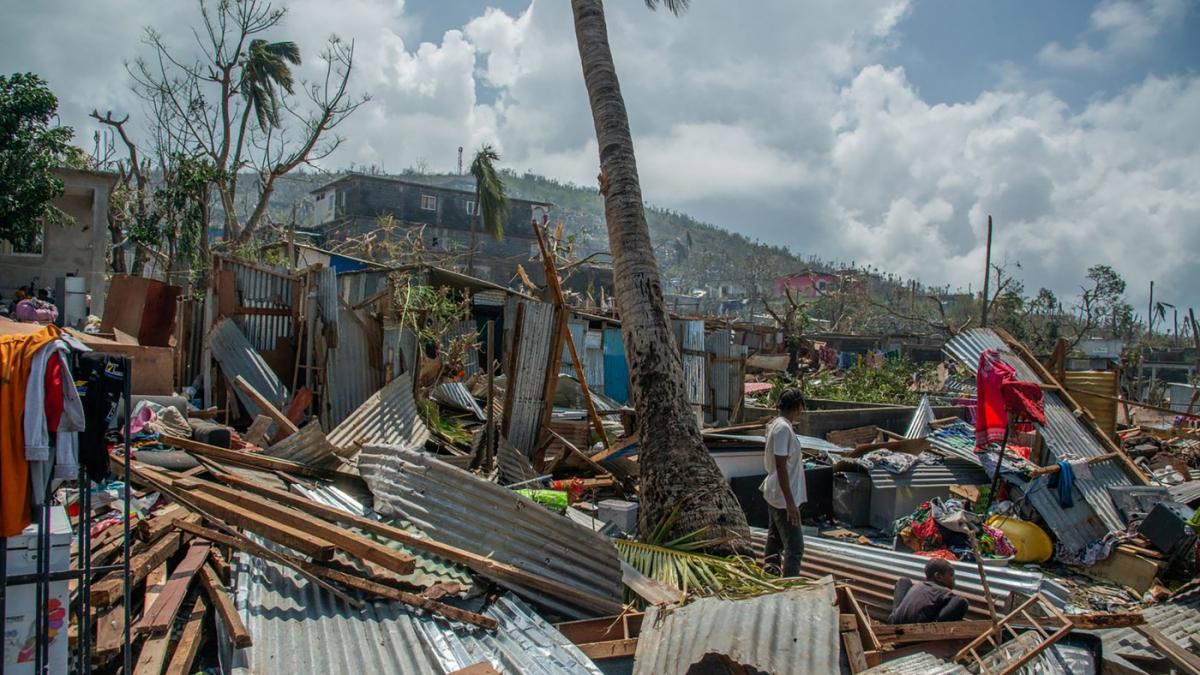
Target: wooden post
x,y
556,289
987,273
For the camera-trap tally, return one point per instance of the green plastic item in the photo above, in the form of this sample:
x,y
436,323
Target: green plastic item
x,y
555,500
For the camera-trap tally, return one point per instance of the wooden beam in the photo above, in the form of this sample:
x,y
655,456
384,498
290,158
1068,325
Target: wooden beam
x,y
492,569
157,526
154,587
609,649
111,588
268,407
854,651
161,615
265,525
153,656
1175,653
347,540
110,632
616,447
247,459
189,640
360,584
219,596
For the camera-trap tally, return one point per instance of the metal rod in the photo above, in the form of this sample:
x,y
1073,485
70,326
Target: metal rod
x,y
999,462
987,273
126,394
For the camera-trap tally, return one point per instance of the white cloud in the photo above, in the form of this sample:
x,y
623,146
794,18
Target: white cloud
x,y
1122,28
778,123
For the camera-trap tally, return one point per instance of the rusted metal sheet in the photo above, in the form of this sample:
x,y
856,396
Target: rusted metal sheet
x,y
353,370
387,416
455,394
725,382
307,446
792,631
460,509
266,289
529,380
1096,390
236,356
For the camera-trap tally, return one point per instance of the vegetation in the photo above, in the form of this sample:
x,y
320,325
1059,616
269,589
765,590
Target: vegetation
x,y
893,381
29,148
490,201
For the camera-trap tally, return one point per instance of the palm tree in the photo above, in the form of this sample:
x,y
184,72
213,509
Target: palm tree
x,y
676,469
490,200
264,70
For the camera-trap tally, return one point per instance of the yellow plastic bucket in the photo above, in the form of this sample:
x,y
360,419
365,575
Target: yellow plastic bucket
x,y
1031,542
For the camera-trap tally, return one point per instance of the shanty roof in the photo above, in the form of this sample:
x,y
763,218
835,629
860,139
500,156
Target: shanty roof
x,y
951,471
792,631
1065,436
463,510
355,175
1178,619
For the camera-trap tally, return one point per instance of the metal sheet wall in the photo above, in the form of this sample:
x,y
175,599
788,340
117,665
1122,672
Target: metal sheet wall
x,y
236,356
616,368
689,335
593,360
353,371
529,380
725,379
262,287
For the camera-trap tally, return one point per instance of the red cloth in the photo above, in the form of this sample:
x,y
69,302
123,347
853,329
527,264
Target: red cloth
x,y
54,392
943,553
991,415
1024,400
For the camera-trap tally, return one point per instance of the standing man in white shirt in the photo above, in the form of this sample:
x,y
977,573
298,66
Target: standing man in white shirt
x,y
784,489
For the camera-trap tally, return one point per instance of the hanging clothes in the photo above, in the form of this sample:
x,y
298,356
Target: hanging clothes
x,y
1024,400
991,414
52,406
101,381
16,359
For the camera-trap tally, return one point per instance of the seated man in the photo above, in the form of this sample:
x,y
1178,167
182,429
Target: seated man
x,y
930,600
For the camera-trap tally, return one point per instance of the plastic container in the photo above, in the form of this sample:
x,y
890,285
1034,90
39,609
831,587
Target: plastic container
x,y
20,631
1031,542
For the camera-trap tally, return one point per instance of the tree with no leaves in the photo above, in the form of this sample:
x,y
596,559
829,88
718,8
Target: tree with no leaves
x,y
203,106
676,470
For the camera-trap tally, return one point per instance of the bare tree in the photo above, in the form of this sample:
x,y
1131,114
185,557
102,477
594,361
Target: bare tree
x,y
206,104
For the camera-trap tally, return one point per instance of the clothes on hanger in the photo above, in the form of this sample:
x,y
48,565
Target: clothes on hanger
x,y
16,360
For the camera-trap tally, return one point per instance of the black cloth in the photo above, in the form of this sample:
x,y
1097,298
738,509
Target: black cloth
x,y
100,379
927,602
783,540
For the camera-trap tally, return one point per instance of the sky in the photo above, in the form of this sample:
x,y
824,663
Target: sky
x,y
882,132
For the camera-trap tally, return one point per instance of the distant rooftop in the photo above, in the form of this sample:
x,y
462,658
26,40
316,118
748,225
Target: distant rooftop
x,y
448,187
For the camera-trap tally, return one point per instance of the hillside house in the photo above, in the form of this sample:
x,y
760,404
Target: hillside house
x,y
806,284
351,206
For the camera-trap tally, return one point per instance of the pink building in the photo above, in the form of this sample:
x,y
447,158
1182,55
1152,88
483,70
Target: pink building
x,y
806,284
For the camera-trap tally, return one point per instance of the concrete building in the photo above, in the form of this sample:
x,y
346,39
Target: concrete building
x,y
79,249
352,206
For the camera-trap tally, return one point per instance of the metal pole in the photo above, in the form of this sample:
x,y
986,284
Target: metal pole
x,y
126,394
1150,316
999,461
491,396
987,273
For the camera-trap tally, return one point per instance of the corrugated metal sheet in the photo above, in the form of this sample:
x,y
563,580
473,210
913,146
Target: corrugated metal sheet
x,y
388,416
616,369
399,350
455,394
951,471
792,631
353,370
918,426
354,287
1178,619
593,360
514,465
873,573
298,627
307,446
1185,493
261,286
1083,384
237,356
429,569
1088,520
689,337
468,332
327,302
523,644
462,510
529,382
920,663
578,330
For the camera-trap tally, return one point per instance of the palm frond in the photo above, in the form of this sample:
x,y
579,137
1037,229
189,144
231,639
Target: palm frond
x,y
493,203
699,573
676,7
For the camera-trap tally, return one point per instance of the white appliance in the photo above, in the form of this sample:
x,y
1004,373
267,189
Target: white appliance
x,y
71,295
20,631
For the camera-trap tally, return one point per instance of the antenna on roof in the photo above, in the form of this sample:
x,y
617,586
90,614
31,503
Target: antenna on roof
x,y
460,160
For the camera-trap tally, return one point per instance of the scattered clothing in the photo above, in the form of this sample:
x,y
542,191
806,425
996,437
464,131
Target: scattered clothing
x,y
927,602
16,360
1065,481
101,381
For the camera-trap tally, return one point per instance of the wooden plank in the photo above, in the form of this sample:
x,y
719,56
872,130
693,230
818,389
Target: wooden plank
x,y
847,622
154,587
617,447
357,583
150,530
609,649
854,651
189,640
111,588
286,426
256,433
481,668
153,656
223,603
265,526
110,632
483,565
161,615
908,633
1175,653
220,564
347,540
248,459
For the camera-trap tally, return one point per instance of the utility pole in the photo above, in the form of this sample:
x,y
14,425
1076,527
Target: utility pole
x,y
987,273
1150,316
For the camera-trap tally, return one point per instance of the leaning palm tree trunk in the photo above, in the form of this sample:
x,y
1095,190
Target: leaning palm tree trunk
x,y
676,469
